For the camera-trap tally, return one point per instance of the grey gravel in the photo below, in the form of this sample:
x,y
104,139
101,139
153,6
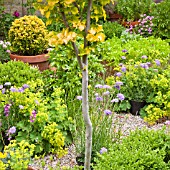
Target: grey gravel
x,y
124,123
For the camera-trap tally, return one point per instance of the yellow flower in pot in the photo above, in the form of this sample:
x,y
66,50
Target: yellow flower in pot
x,y
28,36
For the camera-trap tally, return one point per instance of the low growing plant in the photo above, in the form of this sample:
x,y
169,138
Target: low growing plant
x,y
141,150
4,51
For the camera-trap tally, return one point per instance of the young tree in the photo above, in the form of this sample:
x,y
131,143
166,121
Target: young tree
x,y
76,16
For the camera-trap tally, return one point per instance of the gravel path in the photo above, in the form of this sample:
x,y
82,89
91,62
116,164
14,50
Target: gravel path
x,y
127,122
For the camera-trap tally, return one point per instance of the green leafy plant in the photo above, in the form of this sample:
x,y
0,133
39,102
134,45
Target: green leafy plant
x,y
132,9
6,20
21,73
28,36
4,51
142,149
112,29
18,155
161,19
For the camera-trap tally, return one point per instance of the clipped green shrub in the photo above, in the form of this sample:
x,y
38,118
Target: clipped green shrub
x,y
112,29
17,73
142,150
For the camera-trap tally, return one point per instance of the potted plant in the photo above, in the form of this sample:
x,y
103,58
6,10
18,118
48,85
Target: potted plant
x,y
132,9
29,41
136,83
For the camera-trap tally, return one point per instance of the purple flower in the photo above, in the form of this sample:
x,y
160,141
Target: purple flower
x,y
25,86
3,91
107,112
8,51
144,57
21,106
115,101
37,102
103,150
123,69
12,130
124,50
1,86
167,122
21,90
106,93
123,57
7,109
106,87
119,74
158,63
121,64
13,89
98,98
144,65
34,113
79,97
7,84
119,83
117,87
16,14
96,94
33,116
120,96
98,86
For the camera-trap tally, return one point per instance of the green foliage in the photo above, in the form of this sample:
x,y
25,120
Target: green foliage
x,y
142,150
18,155
132,9
159,100
17,73
6,20
28,36
25,109
4,51
112,29
111,50
161,19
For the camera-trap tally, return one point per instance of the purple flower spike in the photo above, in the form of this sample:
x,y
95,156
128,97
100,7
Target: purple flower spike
x,y
123,69
158,63
124,50
117,87
103,150
7,109
79,97
98,86
120,96
119,74
98,98
107,112
115,101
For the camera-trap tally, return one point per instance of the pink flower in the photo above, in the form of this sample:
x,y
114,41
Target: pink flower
x,y
16,14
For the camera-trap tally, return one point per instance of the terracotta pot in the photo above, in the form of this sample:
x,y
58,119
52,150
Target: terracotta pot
x,y
127,24
136,106
114,17
41,61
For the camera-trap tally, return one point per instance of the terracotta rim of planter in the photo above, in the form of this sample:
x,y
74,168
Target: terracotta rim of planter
x,y
30,59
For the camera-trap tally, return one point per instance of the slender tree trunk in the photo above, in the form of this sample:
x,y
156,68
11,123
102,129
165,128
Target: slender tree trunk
x,y
85,110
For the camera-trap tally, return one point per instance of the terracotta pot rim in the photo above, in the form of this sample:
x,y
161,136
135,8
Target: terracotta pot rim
x,y
30,59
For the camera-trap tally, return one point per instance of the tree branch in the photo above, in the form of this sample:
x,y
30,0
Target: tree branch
x,y
76,50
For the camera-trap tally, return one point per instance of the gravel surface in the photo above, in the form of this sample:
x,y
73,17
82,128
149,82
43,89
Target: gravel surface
x,y
123,122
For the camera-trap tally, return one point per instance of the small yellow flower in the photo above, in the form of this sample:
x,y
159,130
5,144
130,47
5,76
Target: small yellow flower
x,y
3,155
